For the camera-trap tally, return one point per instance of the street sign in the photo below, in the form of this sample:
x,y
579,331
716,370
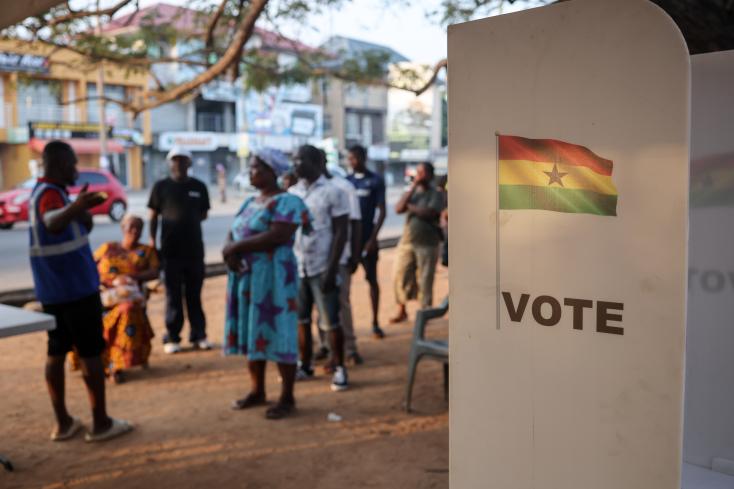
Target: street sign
x,y
25,63
568,198
65,130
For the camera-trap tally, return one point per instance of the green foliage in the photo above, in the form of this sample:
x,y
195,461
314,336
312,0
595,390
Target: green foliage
x,y
142,48
454,11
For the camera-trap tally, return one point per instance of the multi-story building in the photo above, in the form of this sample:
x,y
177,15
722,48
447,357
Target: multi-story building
x,y
354,113
416,125
47,93
223,121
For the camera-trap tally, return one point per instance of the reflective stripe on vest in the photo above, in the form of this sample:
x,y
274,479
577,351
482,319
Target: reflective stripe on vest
x,y
39,250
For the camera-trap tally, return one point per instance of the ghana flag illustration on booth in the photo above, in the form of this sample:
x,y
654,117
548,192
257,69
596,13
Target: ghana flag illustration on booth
x,y
553,175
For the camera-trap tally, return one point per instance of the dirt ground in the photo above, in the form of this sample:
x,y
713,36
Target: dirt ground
x,y
187,437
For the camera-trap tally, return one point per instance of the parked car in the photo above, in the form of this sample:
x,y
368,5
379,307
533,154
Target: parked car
x,y
14,203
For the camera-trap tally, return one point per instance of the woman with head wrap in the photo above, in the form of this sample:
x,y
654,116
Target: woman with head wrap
x,y
124,266
262,289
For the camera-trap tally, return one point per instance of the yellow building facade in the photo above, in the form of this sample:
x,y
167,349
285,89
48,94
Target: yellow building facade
x,y
47,93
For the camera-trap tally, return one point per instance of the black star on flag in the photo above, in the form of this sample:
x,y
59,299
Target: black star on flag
x,y
555,176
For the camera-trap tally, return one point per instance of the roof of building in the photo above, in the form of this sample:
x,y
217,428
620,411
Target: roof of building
x,y
194,22
341,46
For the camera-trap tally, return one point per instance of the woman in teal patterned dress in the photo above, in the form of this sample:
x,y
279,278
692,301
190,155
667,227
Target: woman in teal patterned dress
x,y
262,287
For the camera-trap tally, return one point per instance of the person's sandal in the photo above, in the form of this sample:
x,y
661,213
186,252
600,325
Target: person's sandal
x,y
75,427
119,427
280,411
251,400
400,318
377,331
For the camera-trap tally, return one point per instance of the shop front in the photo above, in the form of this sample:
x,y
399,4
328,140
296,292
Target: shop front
x,y
25,149
209,149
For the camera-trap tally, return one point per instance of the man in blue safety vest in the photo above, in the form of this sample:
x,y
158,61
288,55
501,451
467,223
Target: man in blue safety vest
x,y
67,285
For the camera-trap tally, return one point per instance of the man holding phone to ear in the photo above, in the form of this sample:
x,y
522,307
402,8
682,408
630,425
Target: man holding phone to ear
x,y
67,285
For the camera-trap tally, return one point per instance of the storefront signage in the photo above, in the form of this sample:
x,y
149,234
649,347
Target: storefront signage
x,y
65,130
26,63
197,141
221,91
269,115
128,137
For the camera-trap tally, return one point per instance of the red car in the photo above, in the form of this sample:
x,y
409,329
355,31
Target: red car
x,y
14,203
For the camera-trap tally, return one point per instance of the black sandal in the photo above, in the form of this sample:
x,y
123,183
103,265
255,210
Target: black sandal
x,y
280,411
251,400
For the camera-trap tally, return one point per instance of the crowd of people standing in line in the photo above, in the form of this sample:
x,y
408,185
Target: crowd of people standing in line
x,y
292,248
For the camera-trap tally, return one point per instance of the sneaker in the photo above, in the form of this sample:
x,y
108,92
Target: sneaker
x,y
339,381
203,345
355,358
171,348
377,332
322,354
304,373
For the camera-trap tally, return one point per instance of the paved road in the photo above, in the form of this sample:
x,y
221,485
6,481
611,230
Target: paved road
x,y
14,268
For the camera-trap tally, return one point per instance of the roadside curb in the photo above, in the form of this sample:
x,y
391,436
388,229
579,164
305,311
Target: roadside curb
x,y
20,297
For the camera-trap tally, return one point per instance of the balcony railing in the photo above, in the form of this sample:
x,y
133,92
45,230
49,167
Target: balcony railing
x,y
209,122
114,115
46,113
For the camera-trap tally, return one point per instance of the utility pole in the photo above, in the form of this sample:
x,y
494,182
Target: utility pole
x,y
103,161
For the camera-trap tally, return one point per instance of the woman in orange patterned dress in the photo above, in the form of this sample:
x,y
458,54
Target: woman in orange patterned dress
x,y
123,268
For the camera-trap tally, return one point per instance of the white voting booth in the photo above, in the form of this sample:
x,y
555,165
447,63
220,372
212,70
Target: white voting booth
x,y
708,449
569,162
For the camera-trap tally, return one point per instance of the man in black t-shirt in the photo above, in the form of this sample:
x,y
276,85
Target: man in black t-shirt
x,y
181,202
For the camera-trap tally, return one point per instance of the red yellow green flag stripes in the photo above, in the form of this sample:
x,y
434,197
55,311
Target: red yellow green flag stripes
x,y
712,181
553,175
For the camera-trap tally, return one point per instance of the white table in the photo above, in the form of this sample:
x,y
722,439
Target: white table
x,y
15,321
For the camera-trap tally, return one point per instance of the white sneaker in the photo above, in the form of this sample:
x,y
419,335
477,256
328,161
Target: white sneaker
x,y
339,381
171,348
204,345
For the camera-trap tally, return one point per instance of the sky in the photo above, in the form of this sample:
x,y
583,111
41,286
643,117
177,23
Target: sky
x,y
406,29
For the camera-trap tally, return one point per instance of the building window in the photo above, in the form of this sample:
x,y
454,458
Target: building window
x,y
367,130
39,100
351,126
114,115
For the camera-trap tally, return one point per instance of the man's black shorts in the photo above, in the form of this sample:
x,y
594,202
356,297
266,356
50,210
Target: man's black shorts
x,y
369,263
78,326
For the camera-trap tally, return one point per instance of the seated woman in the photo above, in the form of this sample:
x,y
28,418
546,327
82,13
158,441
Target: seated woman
x,y
123,269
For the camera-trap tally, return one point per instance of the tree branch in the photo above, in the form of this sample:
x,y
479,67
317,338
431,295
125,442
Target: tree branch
x,y
81,14
125,105
213,24
124,60
161,87
231,55
436,69
132,16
